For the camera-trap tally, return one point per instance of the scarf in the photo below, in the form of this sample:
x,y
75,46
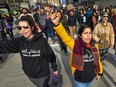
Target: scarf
x,y
115,20
78,52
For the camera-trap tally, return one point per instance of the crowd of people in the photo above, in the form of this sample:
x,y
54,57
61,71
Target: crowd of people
x,y
95,35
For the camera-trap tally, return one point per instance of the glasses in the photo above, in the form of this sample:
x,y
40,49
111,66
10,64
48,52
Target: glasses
x,y
24,27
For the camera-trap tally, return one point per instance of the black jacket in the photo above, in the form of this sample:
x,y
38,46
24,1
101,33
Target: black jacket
x,y
35,53
72,20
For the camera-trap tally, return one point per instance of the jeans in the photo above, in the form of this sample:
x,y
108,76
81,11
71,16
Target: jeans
x,y
51,34
104,53
79,84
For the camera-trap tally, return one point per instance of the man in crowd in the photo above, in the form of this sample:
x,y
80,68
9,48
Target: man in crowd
x,y
104,35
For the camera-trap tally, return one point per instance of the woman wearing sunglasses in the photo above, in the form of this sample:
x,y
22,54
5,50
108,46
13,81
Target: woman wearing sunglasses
x,y
85,59
35,52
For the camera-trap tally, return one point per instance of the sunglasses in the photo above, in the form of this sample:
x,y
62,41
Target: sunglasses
x,y
24,27
105,16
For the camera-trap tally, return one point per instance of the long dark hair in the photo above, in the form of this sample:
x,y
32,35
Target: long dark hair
x,y
82,28
30,21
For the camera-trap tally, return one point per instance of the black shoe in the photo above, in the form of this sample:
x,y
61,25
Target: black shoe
x,y
12,37
0,59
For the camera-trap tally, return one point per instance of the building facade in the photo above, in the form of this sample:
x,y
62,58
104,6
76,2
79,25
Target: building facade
x,y
105,2
50,2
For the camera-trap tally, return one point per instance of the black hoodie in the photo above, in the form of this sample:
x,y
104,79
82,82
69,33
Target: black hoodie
x,y
35,53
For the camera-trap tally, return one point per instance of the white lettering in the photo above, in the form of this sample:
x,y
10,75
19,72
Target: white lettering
x,y
31,53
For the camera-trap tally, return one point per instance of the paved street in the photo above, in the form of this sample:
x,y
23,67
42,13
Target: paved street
x,y
11,74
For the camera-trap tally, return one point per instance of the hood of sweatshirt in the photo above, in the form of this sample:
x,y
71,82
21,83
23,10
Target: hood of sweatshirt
x,y
36,36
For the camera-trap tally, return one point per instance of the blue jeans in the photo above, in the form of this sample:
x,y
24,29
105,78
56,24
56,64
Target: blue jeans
x,y
79,84
51,34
